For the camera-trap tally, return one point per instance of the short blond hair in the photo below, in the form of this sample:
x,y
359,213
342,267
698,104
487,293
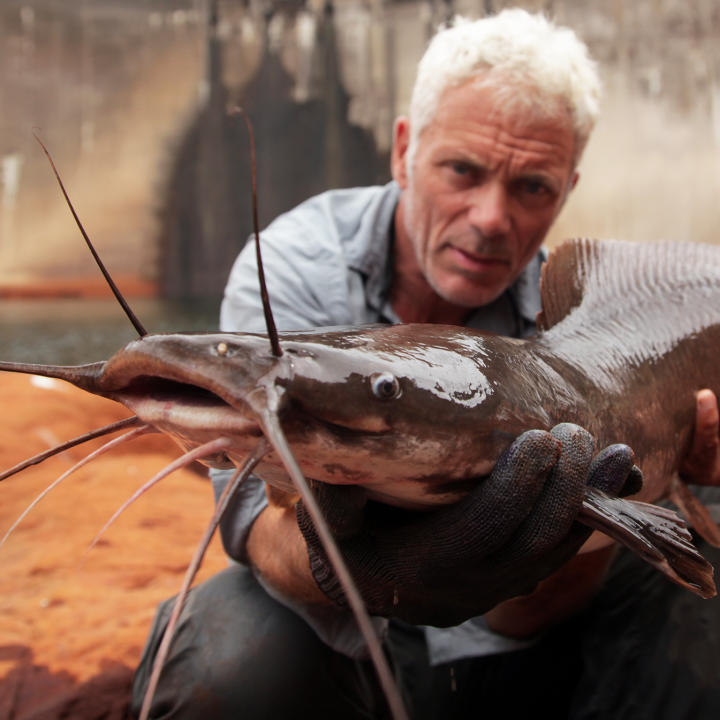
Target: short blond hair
x,y
535,66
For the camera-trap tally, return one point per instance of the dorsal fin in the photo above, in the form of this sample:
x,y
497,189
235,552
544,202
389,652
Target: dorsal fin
x,y
615,277
562,281
621,304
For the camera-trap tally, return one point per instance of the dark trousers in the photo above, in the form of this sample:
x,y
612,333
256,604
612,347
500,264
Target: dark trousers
x,y
644,649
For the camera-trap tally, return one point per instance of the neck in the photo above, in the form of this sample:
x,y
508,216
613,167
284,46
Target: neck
x,y
411,296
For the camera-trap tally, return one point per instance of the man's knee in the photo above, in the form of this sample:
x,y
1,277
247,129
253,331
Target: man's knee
x,y
236,650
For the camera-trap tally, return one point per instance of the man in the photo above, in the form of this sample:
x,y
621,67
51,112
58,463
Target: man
x,y
500,114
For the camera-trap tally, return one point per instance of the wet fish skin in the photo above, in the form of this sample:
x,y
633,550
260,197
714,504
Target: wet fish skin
x,y
627,337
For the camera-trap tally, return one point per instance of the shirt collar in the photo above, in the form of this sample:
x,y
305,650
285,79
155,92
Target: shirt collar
x,y
374,259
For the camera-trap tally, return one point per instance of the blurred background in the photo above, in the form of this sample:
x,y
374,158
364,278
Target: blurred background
x,y
130,97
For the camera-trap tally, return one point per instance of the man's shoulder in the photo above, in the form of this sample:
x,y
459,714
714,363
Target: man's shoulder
x,y
344,203
315,259
346,219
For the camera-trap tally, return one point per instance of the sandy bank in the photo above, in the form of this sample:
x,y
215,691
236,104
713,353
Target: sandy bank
x,y
70,636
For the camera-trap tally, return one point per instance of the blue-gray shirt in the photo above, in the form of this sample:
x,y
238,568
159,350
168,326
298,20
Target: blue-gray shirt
x,y
328,262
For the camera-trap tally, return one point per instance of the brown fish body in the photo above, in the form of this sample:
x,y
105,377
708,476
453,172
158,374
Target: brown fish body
x,y
419,414
628,335
640,327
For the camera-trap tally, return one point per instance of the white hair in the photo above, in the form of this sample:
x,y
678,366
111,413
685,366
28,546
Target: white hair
x,y
535,67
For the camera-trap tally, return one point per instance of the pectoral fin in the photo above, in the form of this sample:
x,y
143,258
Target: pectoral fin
x,y
656,534
694,511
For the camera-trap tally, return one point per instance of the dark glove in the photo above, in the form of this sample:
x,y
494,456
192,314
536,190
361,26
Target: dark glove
x,y
447,565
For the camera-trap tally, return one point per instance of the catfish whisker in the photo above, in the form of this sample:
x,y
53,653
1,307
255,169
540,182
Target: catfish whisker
x,y
141,331
209,448
266,409
220,506
267,309
79,440
136,432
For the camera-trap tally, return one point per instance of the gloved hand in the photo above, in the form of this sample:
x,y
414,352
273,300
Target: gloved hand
x,y
444,566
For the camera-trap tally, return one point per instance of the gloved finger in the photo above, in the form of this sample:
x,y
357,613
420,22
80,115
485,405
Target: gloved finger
x,y
342,506
561,498
612,471
633,483
576,454
492,512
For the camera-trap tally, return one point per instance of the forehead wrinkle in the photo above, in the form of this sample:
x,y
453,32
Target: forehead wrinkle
x,y
456,127
500,147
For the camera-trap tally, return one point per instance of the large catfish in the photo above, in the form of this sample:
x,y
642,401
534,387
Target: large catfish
x,y
417,414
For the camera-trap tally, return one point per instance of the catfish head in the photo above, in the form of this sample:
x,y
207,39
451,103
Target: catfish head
x,y
414,415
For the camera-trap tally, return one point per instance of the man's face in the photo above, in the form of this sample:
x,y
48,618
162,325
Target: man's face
x,y
483,191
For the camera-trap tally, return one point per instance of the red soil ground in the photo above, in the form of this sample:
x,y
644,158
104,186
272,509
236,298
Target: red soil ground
x,y
71,635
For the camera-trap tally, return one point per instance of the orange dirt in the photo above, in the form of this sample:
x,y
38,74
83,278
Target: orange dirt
x,y
71,636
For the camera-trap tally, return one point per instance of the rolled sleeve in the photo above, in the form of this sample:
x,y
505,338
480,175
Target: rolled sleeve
x,y
243,509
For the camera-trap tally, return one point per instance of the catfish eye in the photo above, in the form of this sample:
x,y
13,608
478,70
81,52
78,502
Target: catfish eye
x,y
385,386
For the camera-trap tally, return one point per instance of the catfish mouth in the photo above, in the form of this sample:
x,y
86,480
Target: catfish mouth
x,y
164,400
161,389
195,396
184,407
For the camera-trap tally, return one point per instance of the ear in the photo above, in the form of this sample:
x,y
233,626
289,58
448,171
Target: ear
x,y
401,140
574,181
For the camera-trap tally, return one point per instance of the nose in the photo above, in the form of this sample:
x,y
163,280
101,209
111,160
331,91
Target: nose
x,y
489,209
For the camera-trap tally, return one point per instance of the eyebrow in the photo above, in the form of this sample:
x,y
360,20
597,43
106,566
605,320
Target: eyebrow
x,y
534,174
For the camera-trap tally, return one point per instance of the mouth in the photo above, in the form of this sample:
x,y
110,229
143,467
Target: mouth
x,y
184,408
478,262
183,386
194,412
163,389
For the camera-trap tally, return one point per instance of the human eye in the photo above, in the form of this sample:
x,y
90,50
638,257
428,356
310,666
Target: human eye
x,y
460,168
534,190
461,174
534,187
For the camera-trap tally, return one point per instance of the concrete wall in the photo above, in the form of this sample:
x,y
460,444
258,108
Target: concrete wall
x,y
116,88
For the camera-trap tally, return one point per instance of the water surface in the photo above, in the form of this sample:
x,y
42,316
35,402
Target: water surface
x,y
75,331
